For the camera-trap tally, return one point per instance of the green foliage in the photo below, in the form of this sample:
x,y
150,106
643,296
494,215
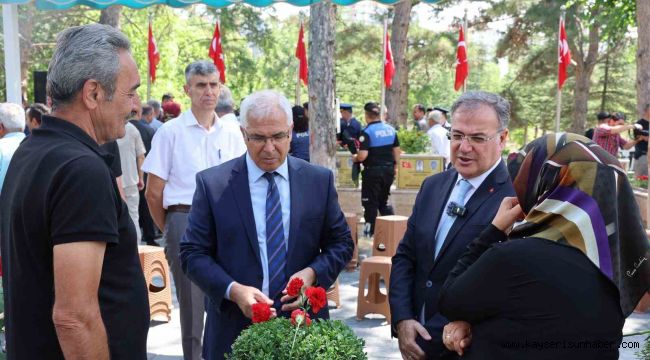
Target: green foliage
x,y
413,141
644,353
323,340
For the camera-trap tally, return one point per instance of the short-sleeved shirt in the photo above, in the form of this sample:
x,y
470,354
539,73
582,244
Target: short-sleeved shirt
x,y
131,146
8,145
608,141
182,147
300,145
379,139
60,190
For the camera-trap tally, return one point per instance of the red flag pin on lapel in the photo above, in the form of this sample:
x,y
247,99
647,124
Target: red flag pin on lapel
x,y
491,190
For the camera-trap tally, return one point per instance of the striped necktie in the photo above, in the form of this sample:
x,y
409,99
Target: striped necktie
x,y
276,250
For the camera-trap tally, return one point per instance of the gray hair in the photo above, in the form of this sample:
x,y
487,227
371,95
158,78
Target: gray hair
x,y
201,68
262,104
155,105
473,99
12,117
83,53
436,115
224,101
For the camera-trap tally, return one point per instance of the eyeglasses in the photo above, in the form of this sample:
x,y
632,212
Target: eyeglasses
x,y
472,139
261,140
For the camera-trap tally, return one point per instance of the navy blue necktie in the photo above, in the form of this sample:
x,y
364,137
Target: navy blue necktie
x,y
276,251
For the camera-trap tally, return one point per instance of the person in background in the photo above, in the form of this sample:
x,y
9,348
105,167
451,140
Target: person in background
x,y
608,133
578,252
144,216
158,115
438,135
641,147
34,113
300,138
419,117
180,149
171,109
12,124
379,152
225,106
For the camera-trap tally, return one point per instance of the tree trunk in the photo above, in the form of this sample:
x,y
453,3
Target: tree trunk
x,y
322,84
584,68
603,100
111,16
643,55
397,95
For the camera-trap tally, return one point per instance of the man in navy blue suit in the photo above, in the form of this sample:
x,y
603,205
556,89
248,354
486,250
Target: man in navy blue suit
x,y
259,220
450,210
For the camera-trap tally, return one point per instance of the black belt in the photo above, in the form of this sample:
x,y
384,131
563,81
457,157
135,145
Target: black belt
x,y
379,167
179,208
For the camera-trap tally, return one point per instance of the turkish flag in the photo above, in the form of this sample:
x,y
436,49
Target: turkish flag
x,y
153,54
389,65
462,67
564,56
301,54
217,54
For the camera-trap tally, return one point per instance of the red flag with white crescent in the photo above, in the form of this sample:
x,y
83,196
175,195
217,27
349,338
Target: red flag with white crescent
x,y
153,55
216,53
462,66
301,54
389,64
564,56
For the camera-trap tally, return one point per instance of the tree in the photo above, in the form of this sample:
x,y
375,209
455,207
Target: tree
x,y
111,16
322,84
397,95
643,55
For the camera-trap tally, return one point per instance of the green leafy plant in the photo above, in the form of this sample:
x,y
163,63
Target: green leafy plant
x,y
413,141
322,340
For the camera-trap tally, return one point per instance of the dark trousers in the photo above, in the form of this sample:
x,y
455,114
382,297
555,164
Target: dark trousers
x,y
145,220
375,189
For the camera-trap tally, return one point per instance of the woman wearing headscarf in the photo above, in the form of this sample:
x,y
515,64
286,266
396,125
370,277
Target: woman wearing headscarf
x,y
561,284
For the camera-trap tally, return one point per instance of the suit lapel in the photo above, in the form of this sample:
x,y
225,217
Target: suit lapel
x,y
296,185
489,187
435,212
242,196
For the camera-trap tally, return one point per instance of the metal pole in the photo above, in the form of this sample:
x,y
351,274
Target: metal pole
x,y
149,61
12,53
383,73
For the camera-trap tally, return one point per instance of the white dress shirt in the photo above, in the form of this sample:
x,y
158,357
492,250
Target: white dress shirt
x,y
258,186
182,147
230,117
440,145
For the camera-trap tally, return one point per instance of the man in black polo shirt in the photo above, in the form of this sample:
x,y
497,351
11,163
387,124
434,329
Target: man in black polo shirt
x,y
379,151
73,284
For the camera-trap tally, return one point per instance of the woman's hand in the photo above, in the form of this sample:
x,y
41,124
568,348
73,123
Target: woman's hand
x,y
508,213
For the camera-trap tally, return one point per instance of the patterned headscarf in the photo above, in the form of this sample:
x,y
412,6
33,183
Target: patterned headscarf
x,y
575,193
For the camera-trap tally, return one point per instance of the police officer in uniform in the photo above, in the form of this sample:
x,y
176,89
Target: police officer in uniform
x,y
379,152
349,137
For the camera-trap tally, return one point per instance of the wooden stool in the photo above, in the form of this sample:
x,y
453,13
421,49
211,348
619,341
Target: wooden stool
x,y
374,302
333,294
351,219
154,264
389,230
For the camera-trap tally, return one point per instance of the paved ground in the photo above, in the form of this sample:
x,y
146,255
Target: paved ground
x,y
164,338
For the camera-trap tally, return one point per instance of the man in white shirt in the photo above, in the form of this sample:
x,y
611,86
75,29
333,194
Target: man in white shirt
x,y
131,157
192,142
12,124
438,134
225,106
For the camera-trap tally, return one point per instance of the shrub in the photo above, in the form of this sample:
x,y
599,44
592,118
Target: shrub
x,y
322,340
413,141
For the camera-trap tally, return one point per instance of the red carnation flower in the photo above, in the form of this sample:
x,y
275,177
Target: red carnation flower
x,y
261,312
294,287
298,316
317,298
